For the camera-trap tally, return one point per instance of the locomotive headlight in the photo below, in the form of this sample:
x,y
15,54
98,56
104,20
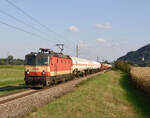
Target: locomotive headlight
x,y
43,73
27,72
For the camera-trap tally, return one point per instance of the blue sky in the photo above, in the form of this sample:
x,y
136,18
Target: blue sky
x,y
104,28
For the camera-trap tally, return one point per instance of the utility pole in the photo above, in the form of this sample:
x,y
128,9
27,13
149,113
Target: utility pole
x,y
97,59
61,47
77,50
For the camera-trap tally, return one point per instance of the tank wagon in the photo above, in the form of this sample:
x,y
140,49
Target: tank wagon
x,y
105,66
45,68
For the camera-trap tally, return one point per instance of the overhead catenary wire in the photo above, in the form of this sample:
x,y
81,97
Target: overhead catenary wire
x,y
35,20
22,30
32,18
18,20
26,24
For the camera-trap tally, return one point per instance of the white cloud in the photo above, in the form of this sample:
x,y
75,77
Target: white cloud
x,y
103,26
73,29
101,40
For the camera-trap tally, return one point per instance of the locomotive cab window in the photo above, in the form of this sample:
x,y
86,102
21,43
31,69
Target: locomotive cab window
x,y
35,60
30,60
42,61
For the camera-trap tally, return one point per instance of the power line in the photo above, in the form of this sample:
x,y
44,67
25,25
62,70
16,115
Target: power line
x,y
18,20
13,17
32,18
20,29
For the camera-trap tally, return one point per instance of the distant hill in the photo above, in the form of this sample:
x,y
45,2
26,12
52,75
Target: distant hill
x,y
140,57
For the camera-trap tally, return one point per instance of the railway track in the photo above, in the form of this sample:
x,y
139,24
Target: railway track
x,y
20,93
25,92
15,95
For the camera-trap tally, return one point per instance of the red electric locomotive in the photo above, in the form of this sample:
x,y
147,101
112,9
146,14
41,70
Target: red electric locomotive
x,y
46,68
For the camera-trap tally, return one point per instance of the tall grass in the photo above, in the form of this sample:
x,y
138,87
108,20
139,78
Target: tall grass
x,y
141,78
140,75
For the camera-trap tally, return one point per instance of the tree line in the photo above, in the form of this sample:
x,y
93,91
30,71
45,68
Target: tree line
x,y
11,61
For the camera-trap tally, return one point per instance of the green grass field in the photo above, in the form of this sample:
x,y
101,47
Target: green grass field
x,y
11,75
111,95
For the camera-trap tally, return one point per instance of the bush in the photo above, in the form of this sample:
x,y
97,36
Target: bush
x,y
123,66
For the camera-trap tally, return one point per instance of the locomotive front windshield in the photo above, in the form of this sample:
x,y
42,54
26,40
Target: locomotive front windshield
x,y
35,60
42,61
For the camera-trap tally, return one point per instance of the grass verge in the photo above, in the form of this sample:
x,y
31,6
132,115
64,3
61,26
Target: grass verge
x,y
111,95
10,76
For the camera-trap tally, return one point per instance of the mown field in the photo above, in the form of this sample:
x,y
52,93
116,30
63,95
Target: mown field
x,y
10,76
111,95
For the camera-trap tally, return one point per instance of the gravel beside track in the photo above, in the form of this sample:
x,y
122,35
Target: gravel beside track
x,y
19,107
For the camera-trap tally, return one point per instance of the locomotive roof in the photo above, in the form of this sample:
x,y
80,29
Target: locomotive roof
x,y
49,53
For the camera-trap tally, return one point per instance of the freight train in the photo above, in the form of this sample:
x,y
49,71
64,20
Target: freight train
x,y
45,68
